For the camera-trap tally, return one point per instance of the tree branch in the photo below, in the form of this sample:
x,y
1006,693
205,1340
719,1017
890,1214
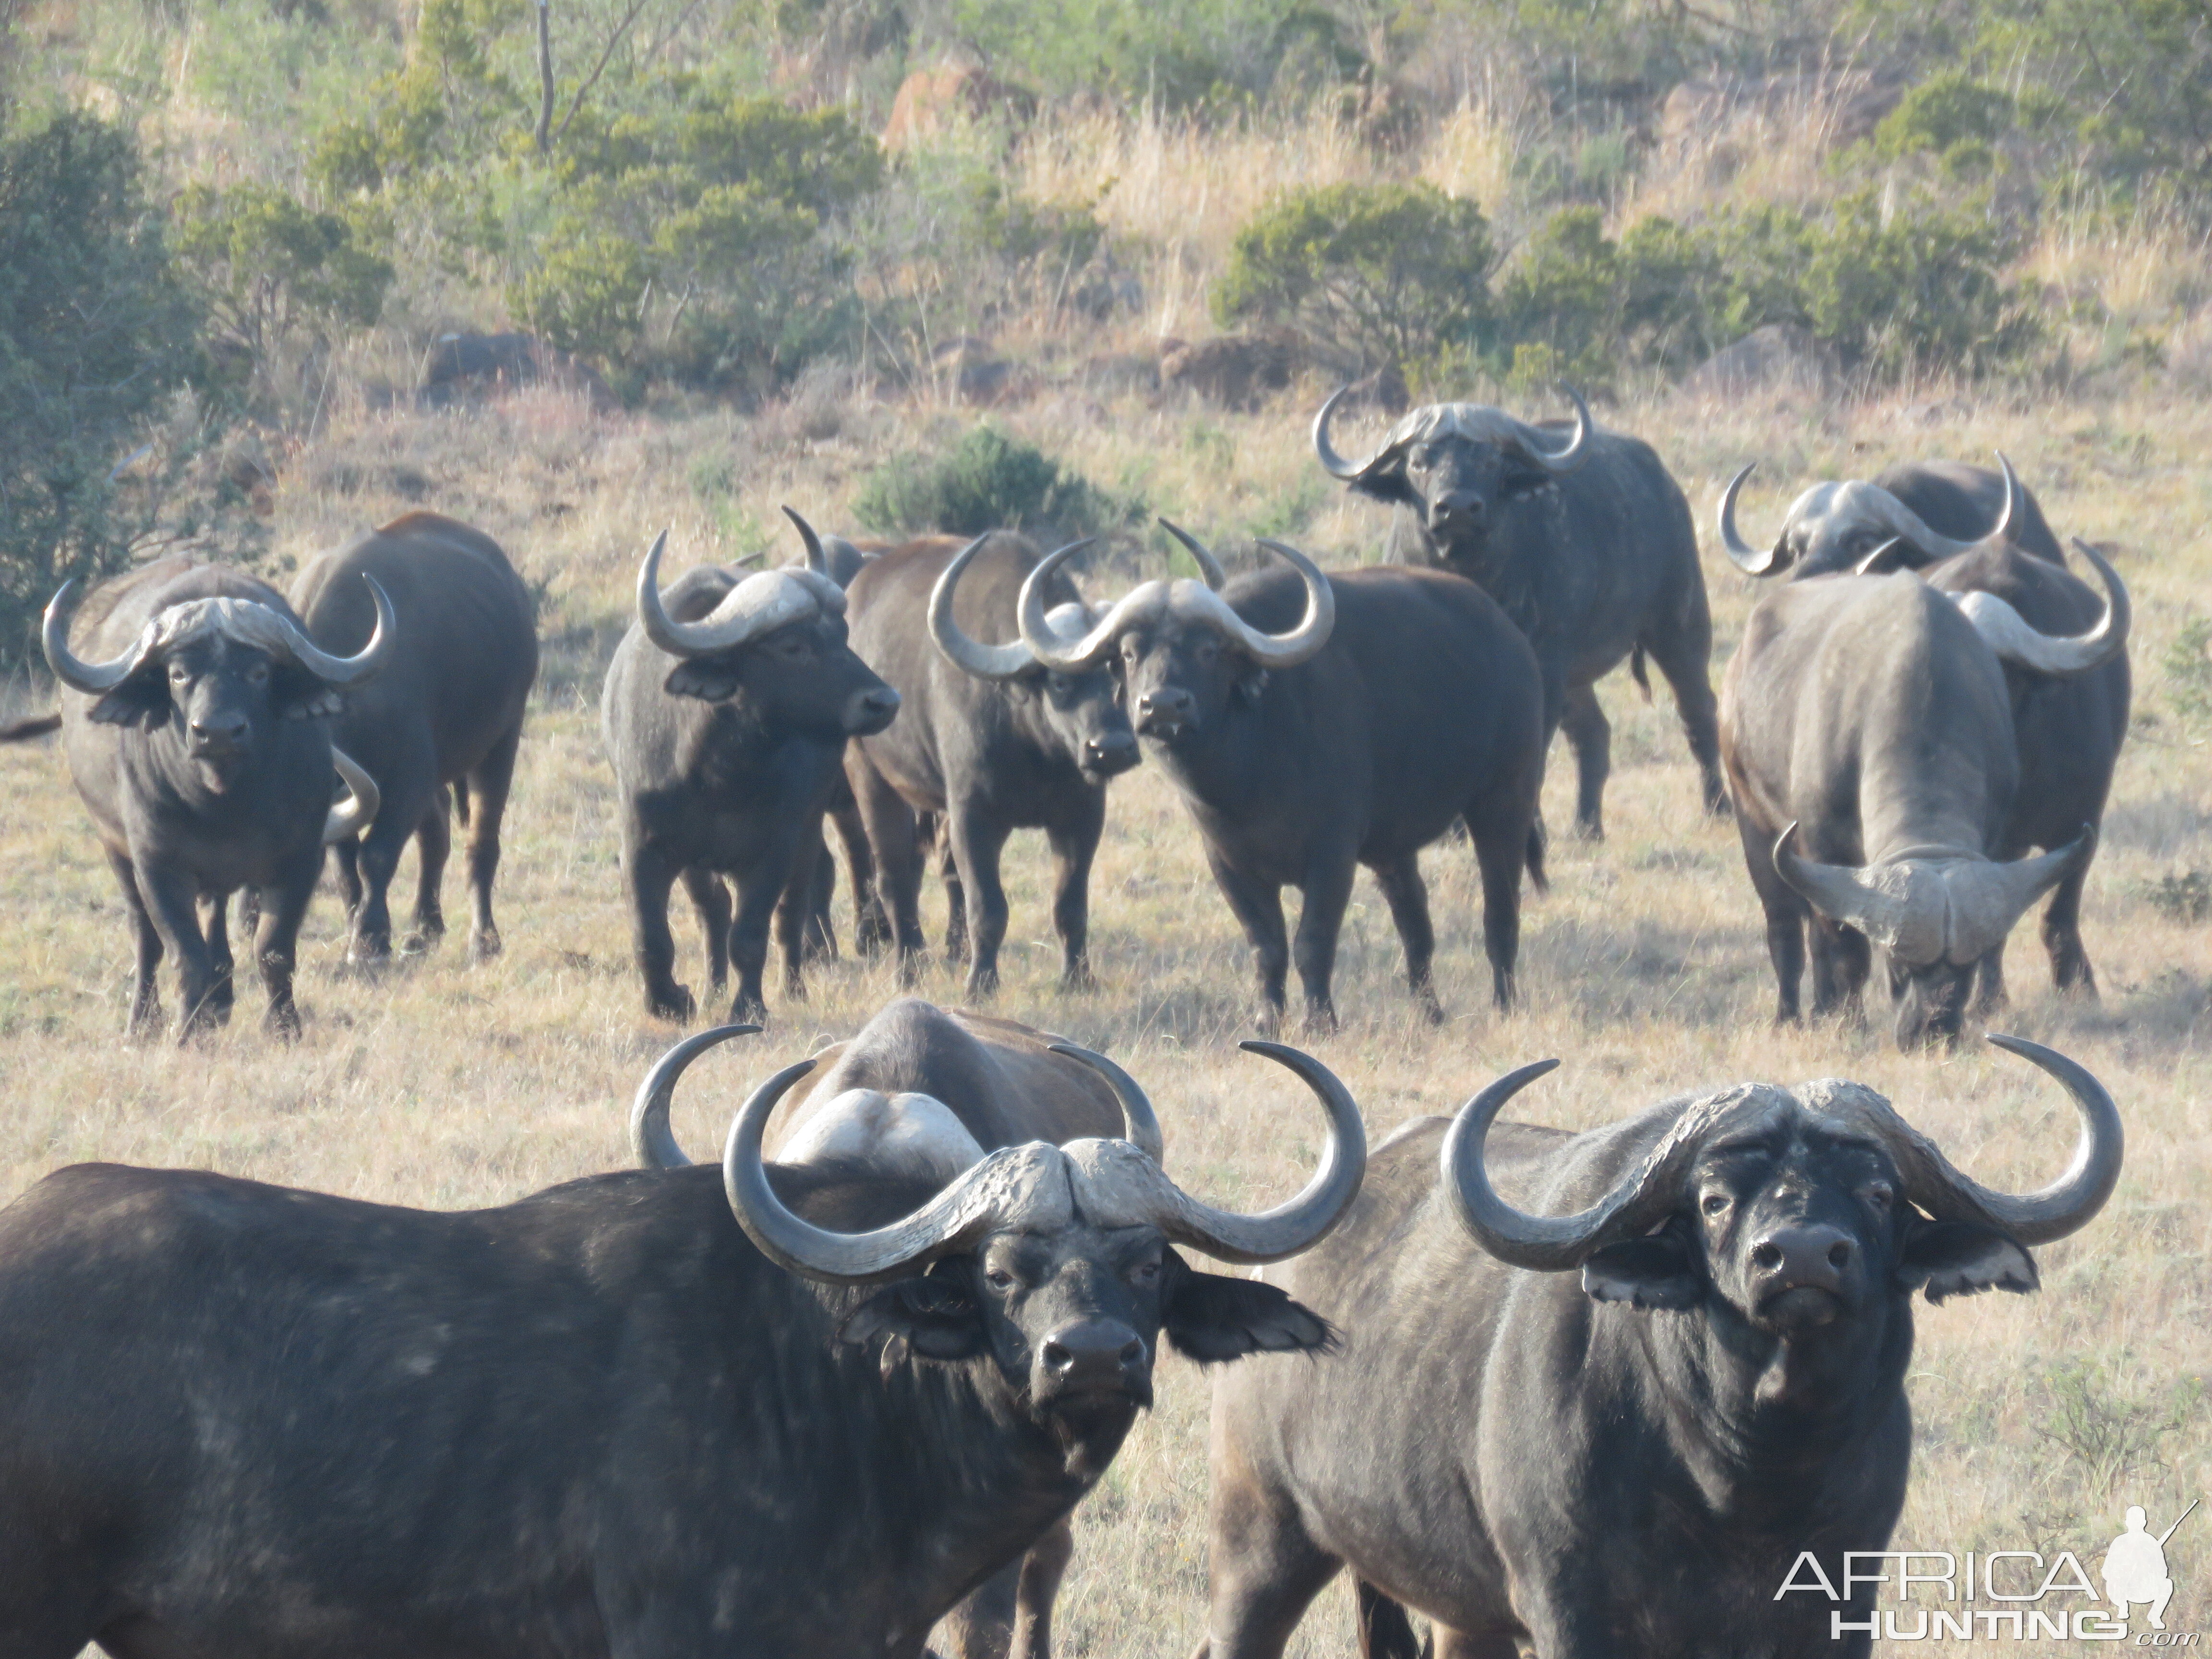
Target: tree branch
x,y
599,68
544,134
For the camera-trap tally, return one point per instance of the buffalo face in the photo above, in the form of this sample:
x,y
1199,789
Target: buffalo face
x,y
1177,680
802,677
1083,711
225,696
1459,486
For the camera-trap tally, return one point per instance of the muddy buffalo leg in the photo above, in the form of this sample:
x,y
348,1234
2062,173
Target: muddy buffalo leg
x,y
490,784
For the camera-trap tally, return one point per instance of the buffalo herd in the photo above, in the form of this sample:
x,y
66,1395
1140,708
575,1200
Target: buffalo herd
x,y
842,1394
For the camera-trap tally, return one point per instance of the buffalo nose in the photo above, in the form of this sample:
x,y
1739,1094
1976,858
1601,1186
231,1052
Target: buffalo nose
x,y
228,731
1164,712
1110,752
1092,1353
870,711
1462,506
1803,1257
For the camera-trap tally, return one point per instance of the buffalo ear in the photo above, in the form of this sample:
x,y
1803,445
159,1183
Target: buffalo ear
x,y
142,700
1387,482
932,1317
1210,1317
703,678
297,695
1963,1258
1648,1272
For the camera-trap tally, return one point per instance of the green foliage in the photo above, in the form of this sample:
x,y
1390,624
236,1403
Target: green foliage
x,y
1393,272
96,330
2184,896
1939,115
2109,1432
988,481
272,267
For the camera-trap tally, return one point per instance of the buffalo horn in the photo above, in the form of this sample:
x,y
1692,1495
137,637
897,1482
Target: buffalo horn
x,y
1288,1228
1839,892
989,662
1741,554
343,671
1201,555
1578,449
93,678
1331,463
651,1140
2009,635
2052,1211
816,559
762,603
358,810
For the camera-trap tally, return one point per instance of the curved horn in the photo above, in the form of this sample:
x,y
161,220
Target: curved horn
x,y
1138,1118
961,1213
816,559
1331,463
2009,635
1543,1243
1288,1228
1038,634
1313,629
1741,554
1902,522
2067,1203
651,1140
1836,891
1866,567
1578,449
783,598
989,662
1997,531
358,810
343,671
1209,566
93,678
1986,899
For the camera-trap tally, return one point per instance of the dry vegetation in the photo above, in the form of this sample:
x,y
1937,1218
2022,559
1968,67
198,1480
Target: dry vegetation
x,y
440,1085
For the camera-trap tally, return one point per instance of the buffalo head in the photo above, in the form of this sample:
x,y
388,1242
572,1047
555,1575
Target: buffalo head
x,y
1180,651
1792,1211
1080,706
776,644
225,671
1054,1264
1457,464
1851,525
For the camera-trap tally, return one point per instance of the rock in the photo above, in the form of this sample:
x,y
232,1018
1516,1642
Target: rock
x,y
464,367
930,101
973,373
1779,357
1234,371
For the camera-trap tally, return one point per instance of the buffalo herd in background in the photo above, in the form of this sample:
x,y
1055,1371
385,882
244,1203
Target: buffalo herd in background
x,y
846,1391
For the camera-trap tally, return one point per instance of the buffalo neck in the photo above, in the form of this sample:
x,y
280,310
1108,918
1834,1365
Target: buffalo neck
x,y
168,775
1224,763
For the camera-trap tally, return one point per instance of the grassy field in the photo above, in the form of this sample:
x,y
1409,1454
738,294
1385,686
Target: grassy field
x,y
441,1086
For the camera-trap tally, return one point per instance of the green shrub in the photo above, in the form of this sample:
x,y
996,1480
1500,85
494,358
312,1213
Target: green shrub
x,y
988,481
97,330
1939,115
1393,273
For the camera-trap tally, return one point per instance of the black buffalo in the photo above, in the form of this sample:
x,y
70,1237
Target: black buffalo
x,y
2068,728
198,730
1612,1427
1871,716
1588,544
725,712
1313,724
443,718
990,739
731,1410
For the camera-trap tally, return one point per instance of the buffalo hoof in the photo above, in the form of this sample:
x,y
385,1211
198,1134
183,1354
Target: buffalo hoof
x,y
1425,1004
484,944
281,1022
748,1010
982,984
1077,980
673,1003
1321,1022
1589,829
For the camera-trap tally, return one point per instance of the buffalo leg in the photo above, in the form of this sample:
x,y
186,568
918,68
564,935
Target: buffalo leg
x,y
794,912
1263,1575
348,848
1408,898
1321,920
490,784
1989,981
1590,736
821,889
772,889
1385,1632
1257,904
891,839
146,942
1073,847
650,875
2062,937
1842,959
977,842
174,905
277,942
872,929
1504,823
1042,1569
407,790
1786,916
1682,643
712,900
434,844
215,923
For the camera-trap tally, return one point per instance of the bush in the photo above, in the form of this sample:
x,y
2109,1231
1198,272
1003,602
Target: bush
x,y
96,332
1392,273
1937,116
987,482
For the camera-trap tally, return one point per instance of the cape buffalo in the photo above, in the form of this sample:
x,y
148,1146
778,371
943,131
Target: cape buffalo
x,y
1930,510
1587,546
737,1411
924,1092
1628,1458
1873,712
446,712
1313,724
992,740
197,728
2068,728
725,713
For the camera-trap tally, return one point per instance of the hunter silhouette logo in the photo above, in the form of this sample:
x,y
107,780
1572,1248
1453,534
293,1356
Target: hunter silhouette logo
x,y
2135,1567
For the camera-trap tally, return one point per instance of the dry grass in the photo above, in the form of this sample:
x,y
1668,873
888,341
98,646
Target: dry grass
x,y
445,1086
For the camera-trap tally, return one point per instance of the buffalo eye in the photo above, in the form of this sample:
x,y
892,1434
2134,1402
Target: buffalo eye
x,y
258,675
999,1279
1059,685
793,647
179,673
1146,1272
1881,1195
1207,651
1714,1203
